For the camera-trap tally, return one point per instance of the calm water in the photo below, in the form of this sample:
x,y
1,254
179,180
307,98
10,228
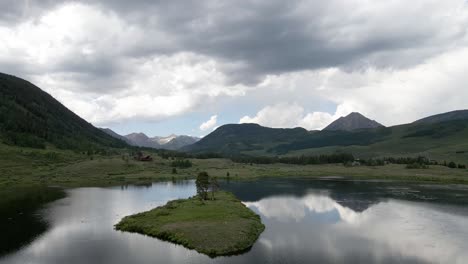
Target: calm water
x,y
306,221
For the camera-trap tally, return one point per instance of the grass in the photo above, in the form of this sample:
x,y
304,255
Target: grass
x,y
51,167
223,226
30,167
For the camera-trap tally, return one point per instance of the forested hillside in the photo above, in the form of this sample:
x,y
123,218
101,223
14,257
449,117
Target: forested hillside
x,y
29,117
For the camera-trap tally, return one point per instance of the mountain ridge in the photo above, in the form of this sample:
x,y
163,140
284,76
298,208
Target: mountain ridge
x,y
171,142
447,116
442,139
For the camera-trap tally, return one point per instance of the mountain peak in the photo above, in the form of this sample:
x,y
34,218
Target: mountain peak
x,y
173,141
351,122
355,114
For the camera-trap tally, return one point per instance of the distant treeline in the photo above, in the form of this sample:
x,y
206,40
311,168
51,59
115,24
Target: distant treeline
x,y
300,160
172,154
181,163
420,162
348,160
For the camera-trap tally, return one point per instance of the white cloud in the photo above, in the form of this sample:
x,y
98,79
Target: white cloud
x,y
316,120
287,115
209,124
279,115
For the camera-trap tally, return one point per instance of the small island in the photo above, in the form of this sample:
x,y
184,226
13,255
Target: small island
x,y
216,225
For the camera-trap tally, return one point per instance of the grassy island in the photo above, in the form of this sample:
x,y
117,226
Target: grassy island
x,y
223,226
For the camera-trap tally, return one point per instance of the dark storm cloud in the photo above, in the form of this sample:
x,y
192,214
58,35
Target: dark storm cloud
x,y
258,37
14,11
272,36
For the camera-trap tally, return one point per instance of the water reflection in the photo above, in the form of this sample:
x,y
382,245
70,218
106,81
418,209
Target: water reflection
x,y
391,231
306,221
286,209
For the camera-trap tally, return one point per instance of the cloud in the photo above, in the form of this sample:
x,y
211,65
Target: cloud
x,y
71,58
114,61
290,115
392,96
280,115
268,36
316,120
209,124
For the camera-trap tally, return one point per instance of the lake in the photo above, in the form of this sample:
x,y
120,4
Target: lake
x,y
307,221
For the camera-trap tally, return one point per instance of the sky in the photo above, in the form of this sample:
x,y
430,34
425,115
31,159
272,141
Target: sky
x,y
188,67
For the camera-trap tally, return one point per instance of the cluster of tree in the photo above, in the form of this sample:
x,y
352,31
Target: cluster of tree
x,y
453,165
206,184
419,162
181,163
410,160
300,160
172,154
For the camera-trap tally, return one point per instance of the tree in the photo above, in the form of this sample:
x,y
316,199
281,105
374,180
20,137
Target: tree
x,y
174,171
214,186
452,165
203,184
181,163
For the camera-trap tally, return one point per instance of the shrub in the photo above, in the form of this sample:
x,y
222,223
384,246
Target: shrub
x,y
417,166
452,165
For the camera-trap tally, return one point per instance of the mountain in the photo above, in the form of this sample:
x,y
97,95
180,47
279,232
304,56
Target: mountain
x,y
351,122
449,116
164,140
111,133
141,140
236,138
30,117
179,142
439,141
171,142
